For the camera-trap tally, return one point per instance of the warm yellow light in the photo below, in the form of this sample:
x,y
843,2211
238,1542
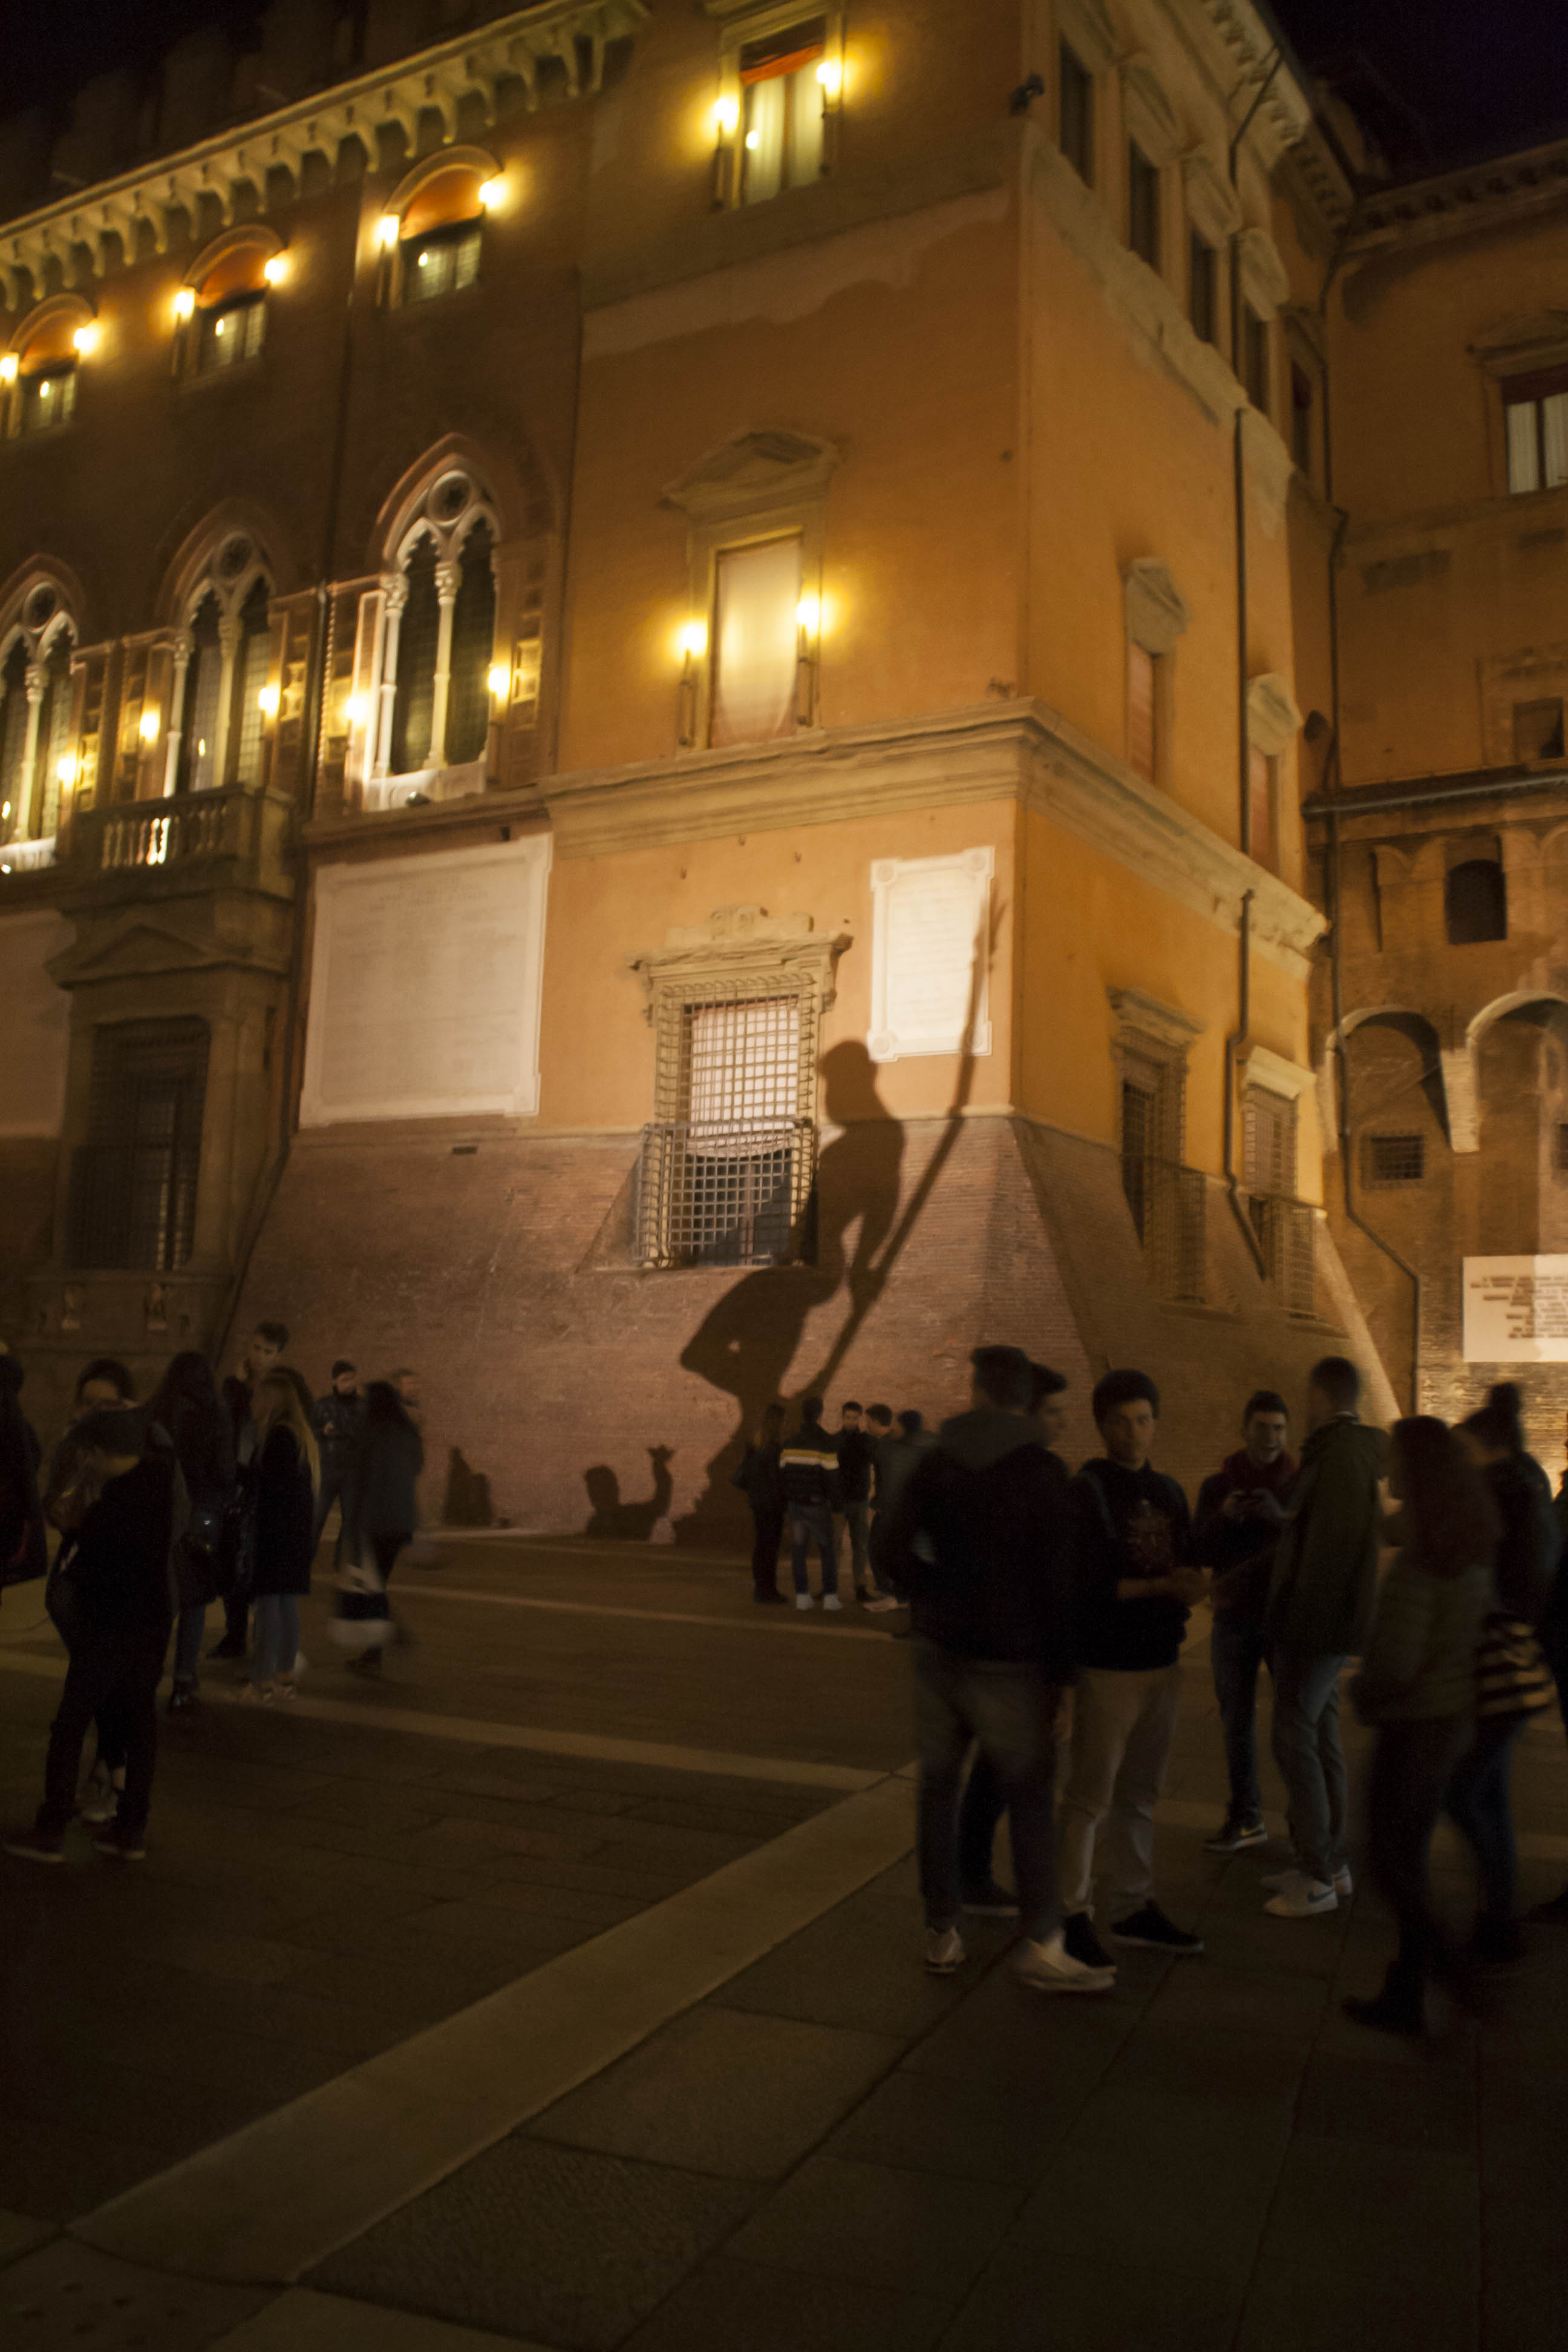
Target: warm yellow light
x,y
694,640
274,270
184,301
753,139
493,192
808,614
727,117
8,368
830,74
268,698
66,769
355,709
387,228
151,722
86,338
500,681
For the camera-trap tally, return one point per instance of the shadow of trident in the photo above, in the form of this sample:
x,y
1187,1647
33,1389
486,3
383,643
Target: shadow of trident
x,y
867,1287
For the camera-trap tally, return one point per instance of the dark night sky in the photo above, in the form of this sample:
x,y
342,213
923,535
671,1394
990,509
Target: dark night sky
x,y
1443,77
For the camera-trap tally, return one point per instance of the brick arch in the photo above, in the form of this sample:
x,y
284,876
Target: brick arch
x,y
1517,1001
1442,1077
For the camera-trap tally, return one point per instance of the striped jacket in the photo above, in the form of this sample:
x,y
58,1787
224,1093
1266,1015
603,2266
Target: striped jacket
x,y
809,1463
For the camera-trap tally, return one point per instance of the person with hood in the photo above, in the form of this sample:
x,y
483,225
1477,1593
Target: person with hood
x,y
1317,1617
1240,1512
809,1466
381,1507
24,1549
1512,1677
1130,1534
760,1481
975,1542
187,1407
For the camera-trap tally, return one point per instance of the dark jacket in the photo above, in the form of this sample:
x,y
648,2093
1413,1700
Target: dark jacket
x,y
898,1456
284,1502
381,1498
1528,1549
976,1542
856,1452
1324,1578
236,1397
24,1549
1421,1650
339,1424
1240,1552
761,1480
204,1446
116,1570
809,1464
1125,1523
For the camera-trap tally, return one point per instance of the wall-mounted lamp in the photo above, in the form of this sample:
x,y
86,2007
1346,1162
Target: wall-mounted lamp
x,y
807,635
86,338
184,302
152,719
66,770
388,228
830,74
275,269
8,368
500,680
727,117
492,193
356,709
268,698
692,642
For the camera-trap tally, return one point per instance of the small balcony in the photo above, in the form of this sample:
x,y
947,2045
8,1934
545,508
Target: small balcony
x,y
27,856
422,788
720,1194
185,841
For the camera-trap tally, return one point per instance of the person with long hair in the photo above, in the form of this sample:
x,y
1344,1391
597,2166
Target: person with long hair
x,y
380,1506
1514,1680
283,1504
186,1405
1418,1686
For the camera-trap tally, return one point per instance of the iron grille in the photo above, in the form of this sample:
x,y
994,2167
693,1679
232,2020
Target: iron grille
x,y
1394,1160
1169,1211
133,1183
1286,1235
714,1196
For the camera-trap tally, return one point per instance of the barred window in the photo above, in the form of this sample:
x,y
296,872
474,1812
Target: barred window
x,y
133,1183
1269,1142
1394,1160
727,1171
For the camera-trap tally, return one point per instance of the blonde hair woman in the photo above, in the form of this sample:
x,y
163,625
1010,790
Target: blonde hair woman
x,y
288,1471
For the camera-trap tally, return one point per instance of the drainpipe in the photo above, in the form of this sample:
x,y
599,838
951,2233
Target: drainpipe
x,y
1235,1046
1239,1038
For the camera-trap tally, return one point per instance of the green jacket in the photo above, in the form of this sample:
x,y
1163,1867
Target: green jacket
x,y
1325,1566
1421,1660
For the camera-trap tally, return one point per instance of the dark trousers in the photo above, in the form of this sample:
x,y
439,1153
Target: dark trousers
x,y
1236,1654
1480,1804
334,1479
812,1523
387,1548
1009,1709
768,1526
237,1617
114,1677
1410,1766
984,1805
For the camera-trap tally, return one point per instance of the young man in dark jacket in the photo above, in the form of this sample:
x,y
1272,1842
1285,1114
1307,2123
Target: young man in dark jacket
x,y
1240,1512
761,1480
809,1466
1128,1529
856,1457
974,1539
338,1420
1321,1591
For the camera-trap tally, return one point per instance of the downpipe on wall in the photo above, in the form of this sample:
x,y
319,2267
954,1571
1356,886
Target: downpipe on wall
x,y
1239,1038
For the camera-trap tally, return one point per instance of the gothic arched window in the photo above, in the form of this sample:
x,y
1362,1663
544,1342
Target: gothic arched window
x,y
425,695
38,751
221,662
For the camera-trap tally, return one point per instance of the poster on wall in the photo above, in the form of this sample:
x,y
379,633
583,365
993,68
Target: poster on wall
x,y
929,949
424,986
1516,1310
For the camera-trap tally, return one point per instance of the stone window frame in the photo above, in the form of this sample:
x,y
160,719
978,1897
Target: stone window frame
x,y
54,310
744,21
1262,1071
769,483
185,343
1156,615
1273,723
227,570
1145,1031
39,615
1535,344
390,276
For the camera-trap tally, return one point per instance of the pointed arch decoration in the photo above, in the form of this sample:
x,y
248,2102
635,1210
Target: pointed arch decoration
x,y
221,694
40,632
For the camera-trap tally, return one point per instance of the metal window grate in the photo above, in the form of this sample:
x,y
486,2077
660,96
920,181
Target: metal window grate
x,y
1269,1142
1170,1210
1393,1158
727,1167
133,1183
1286,1235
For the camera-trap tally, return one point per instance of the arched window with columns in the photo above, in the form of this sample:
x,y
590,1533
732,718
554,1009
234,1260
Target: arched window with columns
x,y
36,706
426,646
221,654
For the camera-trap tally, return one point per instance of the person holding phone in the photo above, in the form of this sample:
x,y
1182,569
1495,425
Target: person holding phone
x,y
1240,1512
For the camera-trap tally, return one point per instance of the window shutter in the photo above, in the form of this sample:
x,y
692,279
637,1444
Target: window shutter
x,y
362,694
1523,455
1555,439
1141,730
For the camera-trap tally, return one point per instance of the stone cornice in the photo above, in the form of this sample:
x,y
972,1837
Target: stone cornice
x,y
93,221
1451,204
1020,751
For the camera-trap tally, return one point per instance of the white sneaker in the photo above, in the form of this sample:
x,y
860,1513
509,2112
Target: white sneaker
x,y
1050,1968
1302,1900
301,1666
1344,1885
831,1600
883,1602
1279,1882
804,1601
944,1950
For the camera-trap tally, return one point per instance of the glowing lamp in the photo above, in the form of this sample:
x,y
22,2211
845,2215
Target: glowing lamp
x,y
356,711
830,74
8,368
727,117
66,769
493,192
808,614
753,140
268,698
184,301
694,640
500,681
86,338
274,270
151,722
387,228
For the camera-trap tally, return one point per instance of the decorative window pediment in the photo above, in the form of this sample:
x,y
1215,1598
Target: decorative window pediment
x,y
1147,113
1273,721
746,946
1211,200
752,472
1157,612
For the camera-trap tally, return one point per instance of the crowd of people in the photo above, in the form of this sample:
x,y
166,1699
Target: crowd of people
x,y
1430,1554
200,1495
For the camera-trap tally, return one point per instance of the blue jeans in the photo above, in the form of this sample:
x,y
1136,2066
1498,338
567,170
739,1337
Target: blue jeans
x,y
812,1523
1311,1761
275,1638
1010,1710
1479,1802
1236,1652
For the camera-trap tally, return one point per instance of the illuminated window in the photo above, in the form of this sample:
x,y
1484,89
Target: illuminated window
x,y
1202,287
1535,414
221,664
438,231
250,679
783,98
1142,205
37,715
756,641
1074,112
446,636
199,764
441,262
221,309
48,396
230,332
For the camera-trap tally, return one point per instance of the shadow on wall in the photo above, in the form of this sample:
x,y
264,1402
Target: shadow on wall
x,y
467,1501
746,1345
628,1522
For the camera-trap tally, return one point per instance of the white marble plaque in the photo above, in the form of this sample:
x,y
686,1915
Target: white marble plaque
x,y
424,986
1516,1310
931,948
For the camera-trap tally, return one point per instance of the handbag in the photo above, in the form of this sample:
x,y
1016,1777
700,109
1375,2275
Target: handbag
x,y
1512,1676
362,1614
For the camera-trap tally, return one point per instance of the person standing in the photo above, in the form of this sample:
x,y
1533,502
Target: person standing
x,y
1512,1680
112,1494
761,1480
338,1420
187,1406
282,1503
856,1456
1418,1686
1553,1912
1321,1593
1129,1532
382,1508
263,1349
24,1545
809,1466
977,1538
1240,1512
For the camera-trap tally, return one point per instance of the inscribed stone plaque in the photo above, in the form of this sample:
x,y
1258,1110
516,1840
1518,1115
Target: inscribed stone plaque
x,y
931,947
1516,1310
424,986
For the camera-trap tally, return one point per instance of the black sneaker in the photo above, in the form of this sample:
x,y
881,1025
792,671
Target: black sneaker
x,y
183,1698
1149,1928
993,1902
1083,1944
1239,1832
771,1600
227,1648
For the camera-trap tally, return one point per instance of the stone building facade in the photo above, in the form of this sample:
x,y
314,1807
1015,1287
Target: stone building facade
x,y
659,667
